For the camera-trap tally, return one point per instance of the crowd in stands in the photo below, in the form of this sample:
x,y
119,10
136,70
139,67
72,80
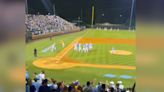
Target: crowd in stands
x,y
44,24
39,83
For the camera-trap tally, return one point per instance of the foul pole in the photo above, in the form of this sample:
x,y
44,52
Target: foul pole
x,y
93,15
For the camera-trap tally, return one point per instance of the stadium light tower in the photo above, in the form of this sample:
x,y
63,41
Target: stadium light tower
x,y
26,6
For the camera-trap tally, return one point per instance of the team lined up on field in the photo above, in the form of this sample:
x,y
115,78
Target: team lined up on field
x,y
76,47
83,47
53,47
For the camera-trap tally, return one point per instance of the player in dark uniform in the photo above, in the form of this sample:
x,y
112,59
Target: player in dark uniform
x,y
35,52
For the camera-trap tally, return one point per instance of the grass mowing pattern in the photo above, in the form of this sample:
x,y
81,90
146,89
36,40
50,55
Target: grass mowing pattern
x,y
100,55
83,73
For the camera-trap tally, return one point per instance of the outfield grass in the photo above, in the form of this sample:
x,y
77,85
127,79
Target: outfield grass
x,y
99,55
92,33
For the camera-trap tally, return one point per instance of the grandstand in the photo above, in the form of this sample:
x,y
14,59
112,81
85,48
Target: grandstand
x,y
40,26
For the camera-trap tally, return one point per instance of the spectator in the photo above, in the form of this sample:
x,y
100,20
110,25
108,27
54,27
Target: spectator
x,y
27,75
36,84
98,87
44,24
65,89
27,86
35,76
79,89
54,85
44,87
112,86
88,87
103,88
32,87
42,75
40,84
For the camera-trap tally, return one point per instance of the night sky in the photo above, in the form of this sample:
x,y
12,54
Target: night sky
x,y
111,11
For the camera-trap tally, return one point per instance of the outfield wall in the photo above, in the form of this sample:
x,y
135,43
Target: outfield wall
x,y
123,27
41,36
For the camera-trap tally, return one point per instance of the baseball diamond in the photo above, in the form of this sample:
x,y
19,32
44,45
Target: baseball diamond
x,y
113,52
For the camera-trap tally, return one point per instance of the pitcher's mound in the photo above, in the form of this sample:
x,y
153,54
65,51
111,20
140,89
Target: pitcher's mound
x,y
120,52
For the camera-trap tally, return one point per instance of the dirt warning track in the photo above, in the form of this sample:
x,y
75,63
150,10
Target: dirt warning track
x,y
60,62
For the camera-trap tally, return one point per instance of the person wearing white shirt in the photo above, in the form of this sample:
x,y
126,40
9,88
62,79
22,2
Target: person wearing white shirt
x,y
37,84
112,84
84,48
87,47
53,47
79,47
90,46
42,75
53,85
121,86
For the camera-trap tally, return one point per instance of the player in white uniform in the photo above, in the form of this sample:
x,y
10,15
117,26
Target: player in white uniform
x,y
113,50
75,46
79,47
87,47
62,43
90,46
53,47
84,48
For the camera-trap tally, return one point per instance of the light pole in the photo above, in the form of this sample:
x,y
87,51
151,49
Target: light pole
x,y
26,6
131,15
93,11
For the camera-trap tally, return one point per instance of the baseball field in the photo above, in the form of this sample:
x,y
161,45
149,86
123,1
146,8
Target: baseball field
x,y
99,64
